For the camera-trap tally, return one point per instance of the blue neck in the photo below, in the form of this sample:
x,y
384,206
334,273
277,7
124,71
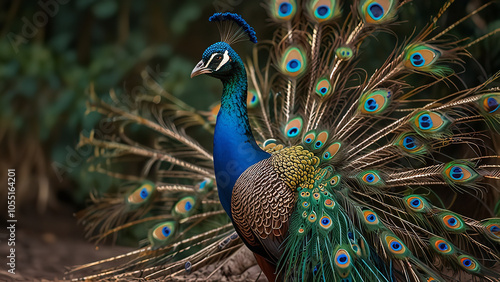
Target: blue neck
x,y
234,146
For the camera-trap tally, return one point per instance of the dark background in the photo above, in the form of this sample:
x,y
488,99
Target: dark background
x,y
50,53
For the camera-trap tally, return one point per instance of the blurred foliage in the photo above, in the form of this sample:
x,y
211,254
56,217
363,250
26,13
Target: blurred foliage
x,y
51,53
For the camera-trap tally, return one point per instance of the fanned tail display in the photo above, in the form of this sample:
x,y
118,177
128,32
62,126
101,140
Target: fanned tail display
x,y
324,170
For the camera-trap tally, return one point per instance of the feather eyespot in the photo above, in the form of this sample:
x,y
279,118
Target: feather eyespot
x,y
491,229
309,137
422,57
342,259
377,11
252,99
283,10
312,217
459,173
425,121
316,196
305,204
344,53
456,173
409,143
325,222
329,203
452,222
416,203
323,10
204,185
331,151
395,246
468,263
375,102
318,144
492,104
321,139
293,65
494,229
417,60
292,132
301,230
356,249
442,246
304,214
370,217
144,193
334,181
166,231
323,87
293,62
293,128
141,194
489,103
184,206
371,105
430,122
371,178
161,233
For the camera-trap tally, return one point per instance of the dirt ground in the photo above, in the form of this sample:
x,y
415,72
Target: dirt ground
x,y
47,245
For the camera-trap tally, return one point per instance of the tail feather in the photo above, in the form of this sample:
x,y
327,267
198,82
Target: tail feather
x,y
397,169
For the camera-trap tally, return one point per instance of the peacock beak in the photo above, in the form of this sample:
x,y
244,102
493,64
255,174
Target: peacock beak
x,y
200,69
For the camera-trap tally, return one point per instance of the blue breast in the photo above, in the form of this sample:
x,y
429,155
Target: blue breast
x,y
235,150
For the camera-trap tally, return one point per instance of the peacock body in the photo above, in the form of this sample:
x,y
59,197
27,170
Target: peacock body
x,y
326,174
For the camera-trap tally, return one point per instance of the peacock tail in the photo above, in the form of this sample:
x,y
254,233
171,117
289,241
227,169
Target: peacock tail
x,y
327,172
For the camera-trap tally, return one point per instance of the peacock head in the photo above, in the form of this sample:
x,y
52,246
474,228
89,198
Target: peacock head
x,y
219,61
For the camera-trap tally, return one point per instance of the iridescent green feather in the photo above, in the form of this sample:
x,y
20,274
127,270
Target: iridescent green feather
x,y
425,58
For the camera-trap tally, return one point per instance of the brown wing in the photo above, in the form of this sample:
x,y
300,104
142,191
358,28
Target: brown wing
x,y
261,207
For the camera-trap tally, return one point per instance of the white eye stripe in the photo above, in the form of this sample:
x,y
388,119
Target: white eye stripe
x,y
211,58
225,59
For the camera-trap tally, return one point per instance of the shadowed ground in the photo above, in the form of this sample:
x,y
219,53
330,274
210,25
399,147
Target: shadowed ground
x,y
46,246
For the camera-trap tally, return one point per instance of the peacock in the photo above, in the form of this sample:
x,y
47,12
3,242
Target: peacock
x,y
325,171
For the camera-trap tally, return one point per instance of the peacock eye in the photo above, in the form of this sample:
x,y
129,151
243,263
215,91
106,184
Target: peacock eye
x,y
218,57
371,178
